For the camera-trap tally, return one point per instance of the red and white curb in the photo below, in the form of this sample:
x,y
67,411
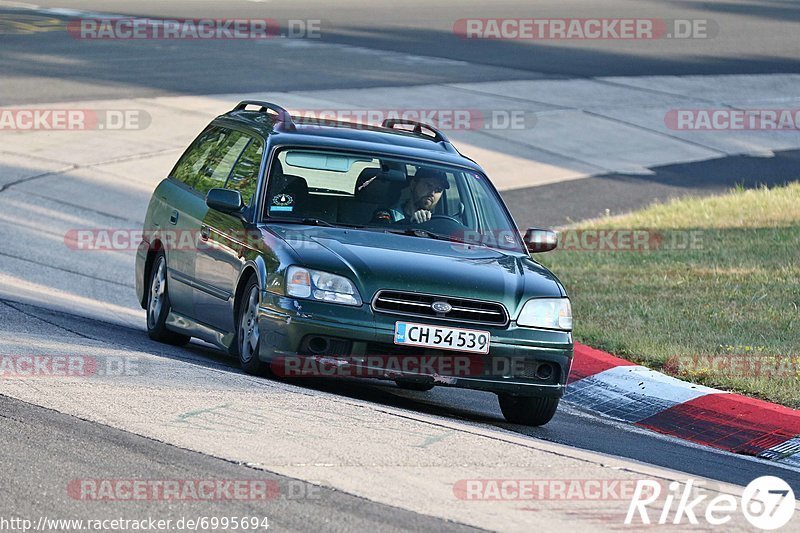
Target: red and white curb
x,y
645,398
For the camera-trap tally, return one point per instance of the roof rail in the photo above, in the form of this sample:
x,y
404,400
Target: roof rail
x,y
438,136
283,116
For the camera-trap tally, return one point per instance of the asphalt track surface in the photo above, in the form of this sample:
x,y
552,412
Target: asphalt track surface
x,y
597,196
67,448
752,38
570,426
43,449
45,66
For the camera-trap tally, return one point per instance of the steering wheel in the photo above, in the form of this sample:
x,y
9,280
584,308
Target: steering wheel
x,y
443,224
444,217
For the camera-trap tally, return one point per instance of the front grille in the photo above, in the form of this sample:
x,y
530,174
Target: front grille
x,y
463,310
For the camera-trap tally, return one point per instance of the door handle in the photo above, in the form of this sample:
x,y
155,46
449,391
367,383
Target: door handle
x,y
205,231
173,218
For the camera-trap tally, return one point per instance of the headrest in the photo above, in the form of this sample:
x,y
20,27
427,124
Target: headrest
x,y
373,188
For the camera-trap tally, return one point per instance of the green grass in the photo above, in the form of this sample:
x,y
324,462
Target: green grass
x,y
736,294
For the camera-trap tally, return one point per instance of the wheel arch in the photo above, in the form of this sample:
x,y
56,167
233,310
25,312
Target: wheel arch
x,y
252,267
152,251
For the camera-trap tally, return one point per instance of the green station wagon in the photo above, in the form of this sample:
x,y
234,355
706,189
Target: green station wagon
x,y
321,248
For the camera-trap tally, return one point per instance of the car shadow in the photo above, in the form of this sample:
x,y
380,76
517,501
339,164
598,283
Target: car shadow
x,y
569,426
444,402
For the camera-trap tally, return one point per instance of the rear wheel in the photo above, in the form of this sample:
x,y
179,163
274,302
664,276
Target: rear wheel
x,y
526,410
248,336
158,305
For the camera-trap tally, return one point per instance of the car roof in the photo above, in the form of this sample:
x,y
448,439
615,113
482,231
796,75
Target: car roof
x,y
298,131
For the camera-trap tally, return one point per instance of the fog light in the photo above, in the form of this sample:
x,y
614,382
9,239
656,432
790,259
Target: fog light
x,y
545,371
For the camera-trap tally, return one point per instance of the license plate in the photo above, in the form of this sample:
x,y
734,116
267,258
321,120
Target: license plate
x,y
459,339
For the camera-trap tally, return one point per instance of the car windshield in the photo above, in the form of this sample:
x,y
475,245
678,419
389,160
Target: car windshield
x,y
432,201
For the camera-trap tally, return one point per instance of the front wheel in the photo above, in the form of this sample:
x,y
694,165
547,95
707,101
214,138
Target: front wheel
x,y
158,305
526,410
248,336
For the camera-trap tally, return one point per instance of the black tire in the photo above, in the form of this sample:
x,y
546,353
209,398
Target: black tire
x,y
414,385
158,305
246,326
526,410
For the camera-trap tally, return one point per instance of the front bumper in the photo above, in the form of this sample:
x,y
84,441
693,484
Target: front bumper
x,y
365,337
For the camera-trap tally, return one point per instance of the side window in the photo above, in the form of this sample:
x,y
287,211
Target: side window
x,y
209,162
195,158
244,177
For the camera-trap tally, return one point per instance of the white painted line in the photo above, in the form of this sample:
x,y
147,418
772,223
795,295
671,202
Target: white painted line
x,y
790,449
632,393
579,128
395,57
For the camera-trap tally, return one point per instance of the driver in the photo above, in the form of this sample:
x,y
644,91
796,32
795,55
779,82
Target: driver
x,y
417,203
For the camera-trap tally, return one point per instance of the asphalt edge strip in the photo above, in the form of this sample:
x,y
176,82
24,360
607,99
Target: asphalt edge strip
x,y
619,389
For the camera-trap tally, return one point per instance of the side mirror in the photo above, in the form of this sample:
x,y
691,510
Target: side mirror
x,y
225,200
540,240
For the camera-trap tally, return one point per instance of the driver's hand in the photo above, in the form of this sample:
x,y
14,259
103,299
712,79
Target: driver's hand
x,y
423,215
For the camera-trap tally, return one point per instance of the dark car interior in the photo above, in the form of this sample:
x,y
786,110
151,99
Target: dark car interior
x,y
376,190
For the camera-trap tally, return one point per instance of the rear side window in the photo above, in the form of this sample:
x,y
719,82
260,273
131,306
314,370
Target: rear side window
x,y
210,160
244,177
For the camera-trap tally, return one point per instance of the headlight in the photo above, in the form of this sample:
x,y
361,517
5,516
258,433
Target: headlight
x,y
316,285
550,313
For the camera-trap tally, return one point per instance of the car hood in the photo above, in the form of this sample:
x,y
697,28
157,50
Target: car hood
x,y
376,260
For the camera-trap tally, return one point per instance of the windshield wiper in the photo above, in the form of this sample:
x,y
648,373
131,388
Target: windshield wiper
x,y
310,222
416,232
304,221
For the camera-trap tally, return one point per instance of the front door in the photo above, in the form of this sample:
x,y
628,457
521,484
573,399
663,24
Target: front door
x,y
221,256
